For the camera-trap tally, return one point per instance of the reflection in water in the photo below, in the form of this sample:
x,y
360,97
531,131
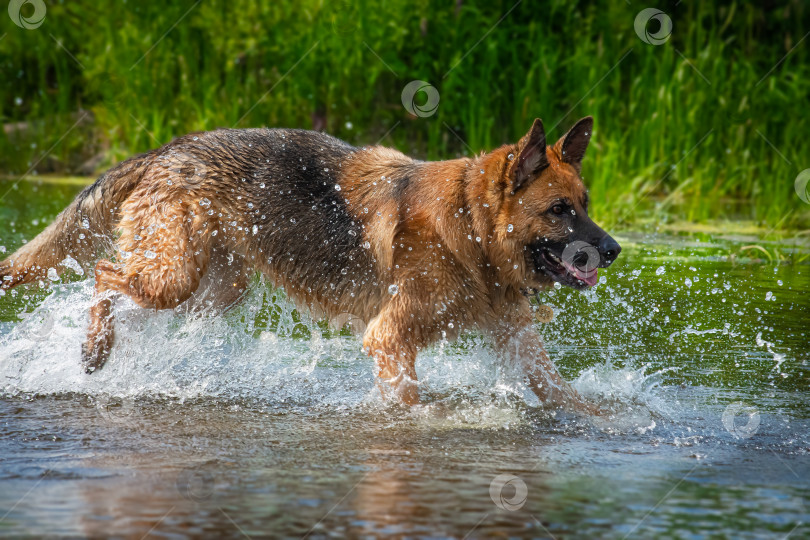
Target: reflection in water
x,y
218,468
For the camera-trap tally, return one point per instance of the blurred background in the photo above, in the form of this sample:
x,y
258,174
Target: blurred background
x,y
700,107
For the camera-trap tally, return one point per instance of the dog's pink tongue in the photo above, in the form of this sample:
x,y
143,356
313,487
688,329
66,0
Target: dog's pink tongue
x,y
590,277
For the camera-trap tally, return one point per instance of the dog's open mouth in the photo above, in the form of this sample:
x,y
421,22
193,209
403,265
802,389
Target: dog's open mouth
x,y
570,273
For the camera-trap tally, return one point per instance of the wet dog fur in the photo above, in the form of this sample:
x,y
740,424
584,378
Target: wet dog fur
x,y
422,251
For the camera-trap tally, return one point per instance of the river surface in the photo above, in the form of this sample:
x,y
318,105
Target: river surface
x,y
261,423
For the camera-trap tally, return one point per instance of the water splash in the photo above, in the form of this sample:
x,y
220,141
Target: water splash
x,y
187,356
617,341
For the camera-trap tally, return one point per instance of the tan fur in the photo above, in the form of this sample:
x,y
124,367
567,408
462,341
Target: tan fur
x,y
445,245
426,246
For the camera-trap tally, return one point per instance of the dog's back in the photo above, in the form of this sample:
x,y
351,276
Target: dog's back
x,y
284,211
270,196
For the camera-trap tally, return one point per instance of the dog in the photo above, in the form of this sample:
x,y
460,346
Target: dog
x,y
421,250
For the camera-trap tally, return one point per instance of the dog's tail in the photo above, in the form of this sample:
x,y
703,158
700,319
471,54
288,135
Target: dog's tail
x,y
80,232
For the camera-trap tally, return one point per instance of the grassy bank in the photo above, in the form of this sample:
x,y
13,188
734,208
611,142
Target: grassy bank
x,y
707,125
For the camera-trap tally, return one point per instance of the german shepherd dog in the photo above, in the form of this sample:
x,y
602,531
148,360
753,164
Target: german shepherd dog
x,y
420,250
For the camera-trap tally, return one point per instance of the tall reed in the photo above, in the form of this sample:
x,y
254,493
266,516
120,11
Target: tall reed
x,y
709,124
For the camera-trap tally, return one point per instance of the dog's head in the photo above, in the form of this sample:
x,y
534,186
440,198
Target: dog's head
x,y
545,211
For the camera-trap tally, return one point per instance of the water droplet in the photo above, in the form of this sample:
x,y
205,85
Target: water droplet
x,y
149,254
205,202
255,230
349,125
53,276
510,228
393,290
482,171
337,187
510,157
688,282
660,270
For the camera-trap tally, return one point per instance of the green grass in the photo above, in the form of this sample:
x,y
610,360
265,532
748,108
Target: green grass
x,y
709,125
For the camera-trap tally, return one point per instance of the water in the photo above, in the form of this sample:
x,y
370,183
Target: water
x,y
262,423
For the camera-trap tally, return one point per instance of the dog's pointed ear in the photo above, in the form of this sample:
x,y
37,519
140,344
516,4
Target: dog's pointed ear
x,y
531,156
573,144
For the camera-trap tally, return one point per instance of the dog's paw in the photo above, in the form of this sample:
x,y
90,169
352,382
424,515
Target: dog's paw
x,y
94,355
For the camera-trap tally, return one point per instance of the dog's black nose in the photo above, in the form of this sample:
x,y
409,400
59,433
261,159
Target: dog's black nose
x,y
609,249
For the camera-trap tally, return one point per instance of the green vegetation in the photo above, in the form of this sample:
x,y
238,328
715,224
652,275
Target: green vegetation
x,y
709,125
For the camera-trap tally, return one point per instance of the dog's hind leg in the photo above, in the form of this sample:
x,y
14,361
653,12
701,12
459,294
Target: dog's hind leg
x,y
165,251
100,334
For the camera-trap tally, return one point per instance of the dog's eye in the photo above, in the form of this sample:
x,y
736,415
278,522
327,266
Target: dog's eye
x,y
557,209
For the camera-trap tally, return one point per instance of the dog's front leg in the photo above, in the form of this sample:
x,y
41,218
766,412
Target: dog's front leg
x,y
396,375
511,327
394,357
545,380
